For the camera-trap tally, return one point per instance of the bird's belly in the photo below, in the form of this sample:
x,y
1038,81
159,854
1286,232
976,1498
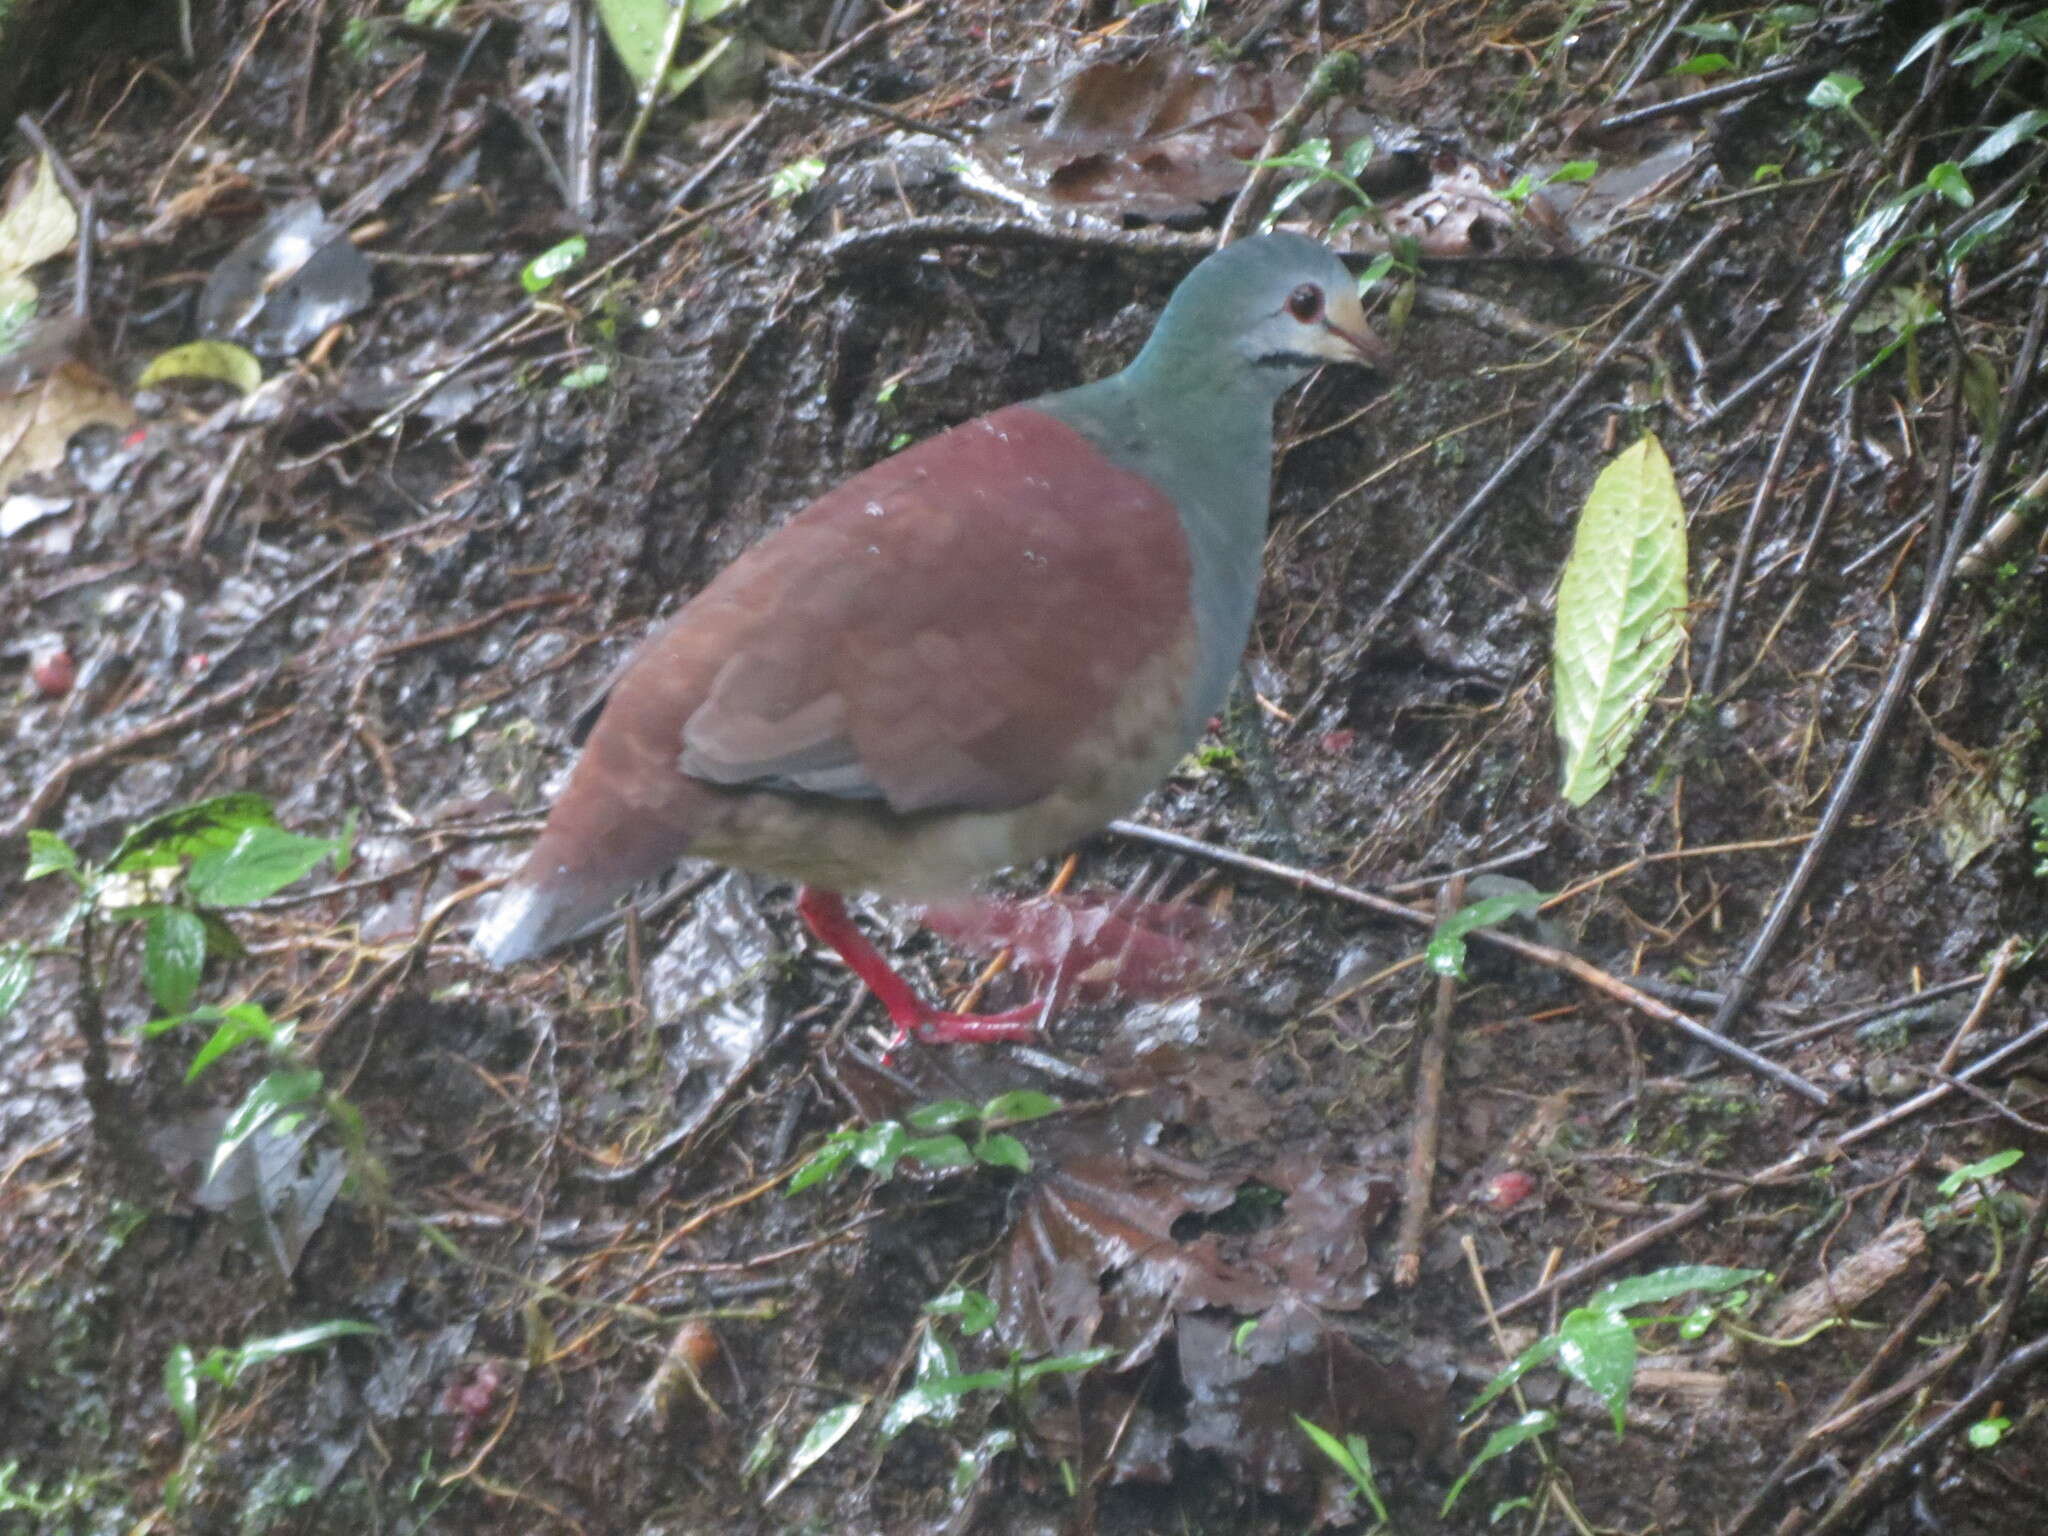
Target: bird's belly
x,y
862,845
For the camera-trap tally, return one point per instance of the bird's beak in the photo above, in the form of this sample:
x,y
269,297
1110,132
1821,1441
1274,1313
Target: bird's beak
x,y
1346,338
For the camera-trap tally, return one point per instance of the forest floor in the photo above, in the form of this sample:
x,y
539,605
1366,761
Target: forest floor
x,y
414,1246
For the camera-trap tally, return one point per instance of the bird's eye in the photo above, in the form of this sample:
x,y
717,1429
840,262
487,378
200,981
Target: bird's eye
x,y
1306,303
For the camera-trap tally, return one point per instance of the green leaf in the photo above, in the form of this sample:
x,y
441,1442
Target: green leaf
x,y
298,1340
940,1116
1705,64
1947,179
589,376
181,1386
832,1427
1528,1427
974,1464
1542,1352
1620,611
1002,1150
272,1099
1666,1284
879,1146
1984,1168
1986,1433
2004,137
188,830
173,954
1935,34
939,1153
823,1163
1018,1106
796,178
638,29
17,969
936,1360
1834,92
1598,1350
1711,31
220,361
259,863
1865,246
1353,1459
1065,1365
48,854
971,1309
1447,945
239,1024
540,273
1574,170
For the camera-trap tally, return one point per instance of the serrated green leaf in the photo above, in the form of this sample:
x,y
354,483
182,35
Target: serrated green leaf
x,y
173,954
259,863
1620,611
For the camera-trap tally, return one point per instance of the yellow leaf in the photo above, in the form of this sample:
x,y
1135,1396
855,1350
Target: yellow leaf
x,y
221,360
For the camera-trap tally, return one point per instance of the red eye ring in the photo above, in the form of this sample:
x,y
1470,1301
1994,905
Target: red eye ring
x,y
1306,303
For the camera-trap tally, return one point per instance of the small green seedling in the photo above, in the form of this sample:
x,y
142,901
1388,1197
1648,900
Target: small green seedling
x,y
931,1136
1354,1460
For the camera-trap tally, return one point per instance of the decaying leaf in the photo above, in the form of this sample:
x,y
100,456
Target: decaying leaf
x,y
286,283
37,220
219,360
38,418
1153,138
1619,613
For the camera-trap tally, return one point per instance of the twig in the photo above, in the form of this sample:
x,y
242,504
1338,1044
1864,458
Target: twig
x,y
740,135
1904,665
1429,1099
1708,680
47,793
858,246
579,118
1651,309
1340,72
657,78
2017,1282
299,591
1712,96
805,90
1876,1475
1675,17
1875,1011
1795,1166
2000,964
1906,1328
81,200
1542,954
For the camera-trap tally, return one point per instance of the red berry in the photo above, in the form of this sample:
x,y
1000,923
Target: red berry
x,y
53,672
1504,1191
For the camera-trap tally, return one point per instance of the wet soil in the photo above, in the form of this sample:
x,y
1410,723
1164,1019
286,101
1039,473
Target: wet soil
x,y
379,593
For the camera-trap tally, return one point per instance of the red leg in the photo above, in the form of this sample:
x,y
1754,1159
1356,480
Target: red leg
x,y
915,1019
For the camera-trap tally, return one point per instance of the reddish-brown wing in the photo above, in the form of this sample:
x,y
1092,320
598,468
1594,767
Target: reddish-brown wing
x,y
938,632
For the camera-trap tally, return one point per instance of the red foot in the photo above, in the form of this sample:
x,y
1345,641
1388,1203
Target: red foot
x,y
915,1019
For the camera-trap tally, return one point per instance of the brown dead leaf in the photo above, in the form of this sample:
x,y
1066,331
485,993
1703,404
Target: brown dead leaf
x,y
39,419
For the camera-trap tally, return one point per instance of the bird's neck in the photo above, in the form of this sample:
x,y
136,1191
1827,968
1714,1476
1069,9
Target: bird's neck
x,y
1208,443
